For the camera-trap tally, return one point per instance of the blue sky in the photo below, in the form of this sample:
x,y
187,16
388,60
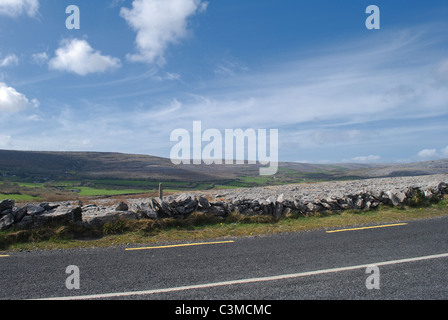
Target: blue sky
x,y
138,69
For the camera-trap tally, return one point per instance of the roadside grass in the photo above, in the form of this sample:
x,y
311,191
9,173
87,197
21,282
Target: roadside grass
x,y
202,227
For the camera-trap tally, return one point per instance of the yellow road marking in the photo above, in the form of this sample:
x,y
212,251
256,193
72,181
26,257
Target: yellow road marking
x,y
4,256
180,245
372,227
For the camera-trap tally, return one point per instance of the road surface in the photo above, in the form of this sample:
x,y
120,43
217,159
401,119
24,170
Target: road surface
x,y
410,261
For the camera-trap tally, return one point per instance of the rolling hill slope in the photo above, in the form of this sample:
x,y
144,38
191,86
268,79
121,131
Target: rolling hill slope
x,y
61,166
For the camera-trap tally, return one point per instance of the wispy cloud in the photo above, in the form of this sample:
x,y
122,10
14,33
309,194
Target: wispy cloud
x,y
15,8
40,58
441,71
9,60
337,89
359,100
229,67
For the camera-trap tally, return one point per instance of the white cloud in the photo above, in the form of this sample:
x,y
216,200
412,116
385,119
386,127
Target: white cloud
x,y
317,100
77,56
370,158
15,8
433,153
358,97
428,153
12,101
319,89
158,24
9,60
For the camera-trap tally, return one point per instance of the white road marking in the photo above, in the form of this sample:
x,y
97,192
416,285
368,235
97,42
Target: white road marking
x,y
249,280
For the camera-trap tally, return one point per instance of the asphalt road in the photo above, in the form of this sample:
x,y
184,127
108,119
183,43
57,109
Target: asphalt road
x,y
411,261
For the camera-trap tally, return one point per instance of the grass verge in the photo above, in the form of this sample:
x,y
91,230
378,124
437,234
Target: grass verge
x,y
201,227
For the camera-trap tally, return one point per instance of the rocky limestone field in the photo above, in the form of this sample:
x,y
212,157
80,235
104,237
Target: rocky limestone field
x,y
306,198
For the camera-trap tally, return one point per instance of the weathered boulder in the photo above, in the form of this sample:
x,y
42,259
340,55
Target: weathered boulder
x,y
192,204
26,222
7,204
75,215
397,197
144,211
278,211
375,204
314,207
218,209
326,205
170,200
182,199
109,216
358,203
6,222
50,217
122,207
180,209
203,203
47,206
5,212
33,209
302,208
19,214
162,208
443,188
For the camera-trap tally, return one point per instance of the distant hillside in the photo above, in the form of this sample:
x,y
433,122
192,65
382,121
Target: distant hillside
x,y
60,166
409,169
82,165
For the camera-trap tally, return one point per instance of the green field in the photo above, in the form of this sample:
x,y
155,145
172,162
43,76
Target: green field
x,y
22,191
91,192
64,190
70,190
19,197
25,189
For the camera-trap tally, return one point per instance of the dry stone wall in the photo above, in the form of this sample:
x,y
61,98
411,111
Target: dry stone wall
x,y
276,201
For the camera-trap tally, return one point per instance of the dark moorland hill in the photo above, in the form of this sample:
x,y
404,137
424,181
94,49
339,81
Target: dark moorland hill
x,y
44,166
